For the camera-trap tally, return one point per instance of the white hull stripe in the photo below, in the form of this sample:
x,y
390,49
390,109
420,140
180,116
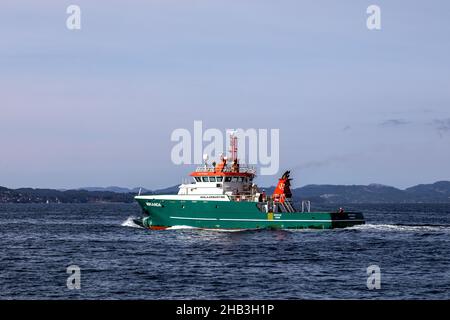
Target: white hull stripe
x,y
266,220
187,218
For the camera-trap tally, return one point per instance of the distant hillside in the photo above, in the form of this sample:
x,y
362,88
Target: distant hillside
x,y
438,192
28,195
372,193
169,190
83,195
106,189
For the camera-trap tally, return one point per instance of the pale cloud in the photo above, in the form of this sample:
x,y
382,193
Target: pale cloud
x,y
441,125
393,123
314,164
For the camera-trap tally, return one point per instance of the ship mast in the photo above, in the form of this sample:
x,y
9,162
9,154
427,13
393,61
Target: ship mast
x,y
233,146
234,151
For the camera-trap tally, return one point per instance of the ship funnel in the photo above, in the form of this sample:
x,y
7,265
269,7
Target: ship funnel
x,y
283,189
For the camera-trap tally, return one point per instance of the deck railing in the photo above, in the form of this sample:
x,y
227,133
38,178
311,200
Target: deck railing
x,y
242,169
245,197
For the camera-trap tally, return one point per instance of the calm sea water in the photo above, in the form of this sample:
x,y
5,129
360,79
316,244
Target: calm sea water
x,y
118,260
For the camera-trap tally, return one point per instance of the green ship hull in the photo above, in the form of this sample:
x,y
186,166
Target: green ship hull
x,y
162,214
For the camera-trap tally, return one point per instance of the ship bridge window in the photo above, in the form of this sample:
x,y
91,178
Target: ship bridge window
x,y
205,179
227,179
198,179
235,179
212,179
219,179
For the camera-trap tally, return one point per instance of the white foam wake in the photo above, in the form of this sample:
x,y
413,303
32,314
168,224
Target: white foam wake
x,y
130,223
402,228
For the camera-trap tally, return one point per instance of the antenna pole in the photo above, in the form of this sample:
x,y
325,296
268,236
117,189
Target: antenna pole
x,y
233,147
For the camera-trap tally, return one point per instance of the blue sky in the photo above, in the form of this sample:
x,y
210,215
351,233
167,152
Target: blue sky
x,y
96,107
